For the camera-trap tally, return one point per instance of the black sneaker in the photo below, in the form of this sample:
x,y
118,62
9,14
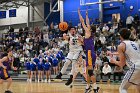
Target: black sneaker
x,y
69,80
71,86
90,86
8,91
59,76
96,90
88,90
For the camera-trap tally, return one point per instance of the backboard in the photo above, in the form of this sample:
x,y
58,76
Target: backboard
x,y
91,2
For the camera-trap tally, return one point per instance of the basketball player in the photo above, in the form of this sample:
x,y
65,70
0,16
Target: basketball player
x,y
129,54
80,66
5,66
89,50
75,49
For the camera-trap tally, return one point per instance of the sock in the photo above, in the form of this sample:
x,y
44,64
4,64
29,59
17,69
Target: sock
x,y
95,86
87,86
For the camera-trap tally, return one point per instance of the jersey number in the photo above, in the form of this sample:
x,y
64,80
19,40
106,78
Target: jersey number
x,y
134,47
74,41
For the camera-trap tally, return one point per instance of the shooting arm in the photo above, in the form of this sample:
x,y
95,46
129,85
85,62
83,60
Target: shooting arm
x,y
87,30
87,20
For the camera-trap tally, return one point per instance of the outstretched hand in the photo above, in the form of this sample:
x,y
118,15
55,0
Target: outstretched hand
x,y
78,10
80,16
87,12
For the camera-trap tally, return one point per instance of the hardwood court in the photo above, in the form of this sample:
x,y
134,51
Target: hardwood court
x,y
24,87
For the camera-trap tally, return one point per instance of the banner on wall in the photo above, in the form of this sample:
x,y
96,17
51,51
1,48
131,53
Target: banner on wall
x,y
12,13
2,14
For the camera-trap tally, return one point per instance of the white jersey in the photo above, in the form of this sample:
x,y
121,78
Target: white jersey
x,y
132,54
74,44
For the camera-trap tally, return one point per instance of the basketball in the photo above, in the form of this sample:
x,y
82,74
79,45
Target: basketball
x,y
63,26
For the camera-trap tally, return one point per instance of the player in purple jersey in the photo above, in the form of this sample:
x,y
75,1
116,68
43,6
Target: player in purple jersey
x,y
89,50
5,65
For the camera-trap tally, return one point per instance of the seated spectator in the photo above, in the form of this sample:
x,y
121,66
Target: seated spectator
x,y
129,21
133,34
104,58
102,39
106,71
118,71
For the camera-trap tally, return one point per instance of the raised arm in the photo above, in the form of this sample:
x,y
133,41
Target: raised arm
x,y
87,20
82,20
87,30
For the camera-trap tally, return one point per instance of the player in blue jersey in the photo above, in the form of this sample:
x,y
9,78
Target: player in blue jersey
x,y
47,69
88,42
40,70
55,64
33,70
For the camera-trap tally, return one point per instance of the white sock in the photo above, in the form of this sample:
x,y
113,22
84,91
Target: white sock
x,y
95,86
87,86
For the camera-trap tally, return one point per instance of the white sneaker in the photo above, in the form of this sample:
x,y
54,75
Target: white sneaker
x,y
45,81
38,81
35,80
27,80
42,80
30,80
49,81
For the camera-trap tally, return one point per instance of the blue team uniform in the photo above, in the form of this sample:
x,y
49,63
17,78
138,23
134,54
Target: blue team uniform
x,y
50,59
36,60
62,55
33,67
47,66
40,66
58,56
55,62
27,65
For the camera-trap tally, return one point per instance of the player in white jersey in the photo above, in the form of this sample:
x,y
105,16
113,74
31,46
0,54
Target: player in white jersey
x,y
80,67
129,54
75,49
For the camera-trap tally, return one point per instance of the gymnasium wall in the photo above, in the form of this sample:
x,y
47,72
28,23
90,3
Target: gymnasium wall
x,y
122,8
71,15
22,16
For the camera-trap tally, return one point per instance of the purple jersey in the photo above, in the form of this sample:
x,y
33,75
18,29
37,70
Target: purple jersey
x,y
89,44
90,53
4,72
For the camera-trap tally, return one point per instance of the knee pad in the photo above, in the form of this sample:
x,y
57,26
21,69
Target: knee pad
x,y
90,73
